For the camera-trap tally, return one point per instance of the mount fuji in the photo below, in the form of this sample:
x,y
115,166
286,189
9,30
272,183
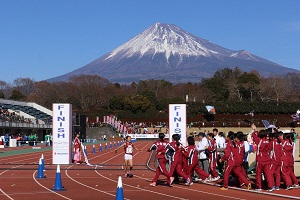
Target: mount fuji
x,y
165,51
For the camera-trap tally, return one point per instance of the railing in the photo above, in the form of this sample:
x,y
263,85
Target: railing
x,y
31,104
25,125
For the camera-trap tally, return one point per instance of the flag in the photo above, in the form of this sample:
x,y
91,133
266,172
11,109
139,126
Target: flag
x,y
210,109
87,120
97,119
296,116
251,113
267,124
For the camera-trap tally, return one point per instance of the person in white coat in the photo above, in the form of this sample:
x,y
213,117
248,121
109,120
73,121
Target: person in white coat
x,y
202,154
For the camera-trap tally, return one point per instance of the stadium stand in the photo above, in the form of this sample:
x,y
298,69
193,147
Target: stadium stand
x,y
24,121
24,112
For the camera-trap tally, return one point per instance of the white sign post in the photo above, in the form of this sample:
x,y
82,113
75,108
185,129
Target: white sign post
x,y
177,121
61,133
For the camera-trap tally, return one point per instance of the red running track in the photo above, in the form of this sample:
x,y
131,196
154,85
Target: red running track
x,y
18,172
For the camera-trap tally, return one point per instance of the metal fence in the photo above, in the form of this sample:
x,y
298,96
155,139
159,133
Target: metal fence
x,y
24,125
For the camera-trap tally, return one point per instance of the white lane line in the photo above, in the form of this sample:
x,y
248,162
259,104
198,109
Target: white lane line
x,y
33,176
142,189
66,172
199,191
6,194
105,192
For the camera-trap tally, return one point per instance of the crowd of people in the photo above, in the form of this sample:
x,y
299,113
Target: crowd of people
x,y
7,116
22,138
217,155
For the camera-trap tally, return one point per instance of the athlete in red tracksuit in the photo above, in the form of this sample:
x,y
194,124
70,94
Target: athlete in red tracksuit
x,y
233,162
276,158
174,155
191,154
212,152
263,160
160,147
288,163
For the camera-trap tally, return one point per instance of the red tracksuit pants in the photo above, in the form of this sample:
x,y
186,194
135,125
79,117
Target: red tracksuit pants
x,y
237,170
275,170
264,168
161,169
213,167
195,167
178,167
288,174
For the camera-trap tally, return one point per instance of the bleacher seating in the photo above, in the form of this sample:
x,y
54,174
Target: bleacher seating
x,y
37,113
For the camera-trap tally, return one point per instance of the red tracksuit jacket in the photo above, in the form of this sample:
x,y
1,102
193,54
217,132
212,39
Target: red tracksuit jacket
x,y
160,147
240,152
174,152
263,149
234,155
287,153
276,152
228,154
212,148
191,154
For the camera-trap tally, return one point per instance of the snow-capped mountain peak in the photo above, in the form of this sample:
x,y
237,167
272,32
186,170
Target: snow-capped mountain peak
x,y
164,38
165,51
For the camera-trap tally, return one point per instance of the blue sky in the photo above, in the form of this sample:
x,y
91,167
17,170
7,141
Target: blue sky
x,y
44,39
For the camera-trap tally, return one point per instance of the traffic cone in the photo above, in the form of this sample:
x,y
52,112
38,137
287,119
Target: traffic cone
x,y
85,151
43,162
40,170
106,146
120,194
110,145
100,148
93,150
58,184
115,145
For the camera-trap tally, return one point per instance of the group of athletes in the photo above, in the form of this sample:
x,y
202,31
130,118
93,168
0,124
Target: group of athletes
x,y
274,159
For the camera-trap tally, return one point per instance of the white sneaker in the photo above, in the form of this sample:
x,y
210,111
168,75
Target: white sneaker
x,y
198,179
207,180
295,186
216,178
288,188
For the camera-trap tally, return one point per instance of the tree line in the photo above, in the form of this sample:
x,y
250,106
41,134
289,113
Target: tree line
x,y
228,90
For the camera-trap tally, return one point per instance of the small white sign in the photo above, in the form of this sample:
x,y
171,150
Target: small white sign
x,y
61,133
145,136
177,121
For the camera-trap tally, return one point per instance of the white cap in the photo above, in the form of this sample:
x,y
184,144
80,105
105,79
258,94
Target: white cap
x,y
58,169
119,182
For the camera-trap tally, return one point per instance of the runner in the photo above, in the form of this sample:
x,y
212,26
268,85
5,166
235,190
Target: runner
x,y
233,162
174,153
263,160
128,149
276,157
77,149
192,156
212,154
160,147
287,165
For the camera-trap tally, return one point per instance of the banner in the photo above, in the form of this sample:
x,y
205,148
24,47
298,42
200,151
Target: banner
x,y
145,136
61,133
177,121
